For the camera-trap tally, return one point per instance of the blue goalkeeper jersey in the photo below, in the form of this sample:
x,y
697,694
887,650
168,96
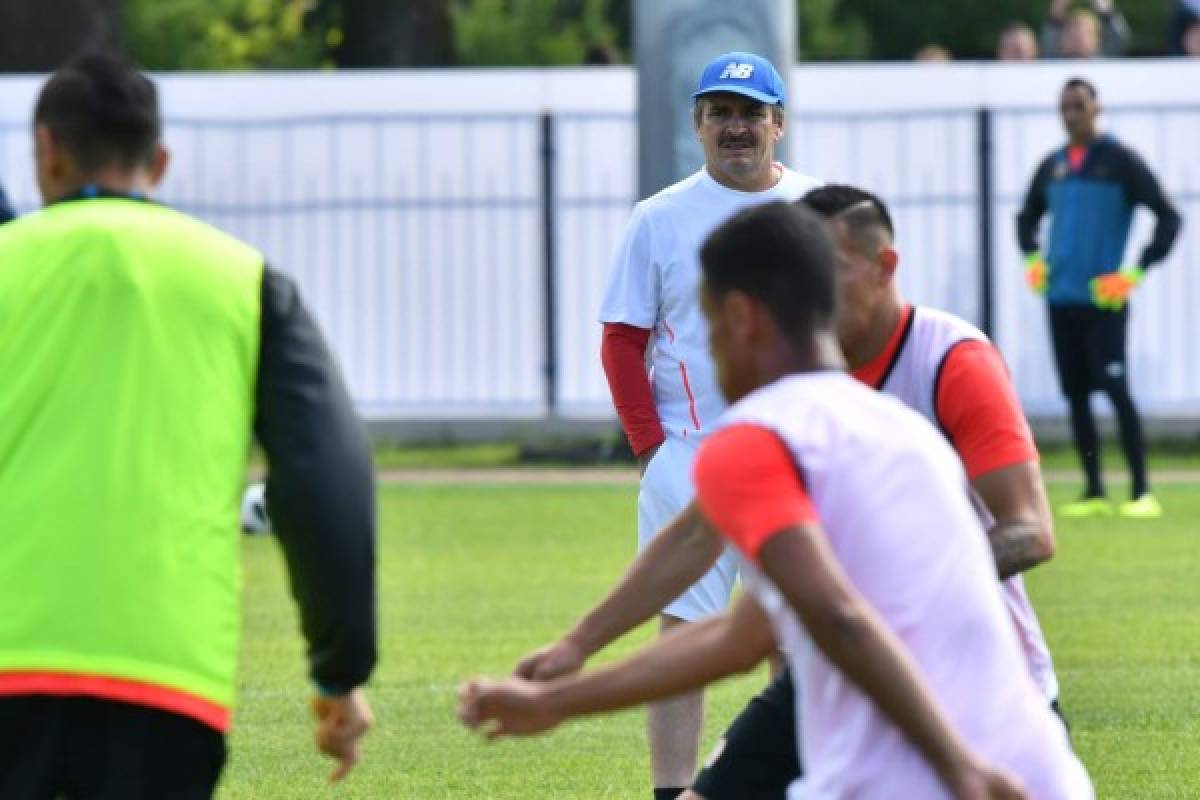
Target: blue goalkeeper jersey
x,y
1091,207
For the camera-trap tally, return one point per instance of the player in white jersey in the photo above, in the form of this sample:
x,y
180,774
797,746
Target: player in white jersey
x,y
948,371
652,298
910,675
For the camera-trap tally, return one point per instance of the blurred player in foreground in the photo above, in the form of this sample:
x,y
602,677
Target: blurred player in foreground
x,y
140,349
936,364
910,677
1090,187
949,372
651,295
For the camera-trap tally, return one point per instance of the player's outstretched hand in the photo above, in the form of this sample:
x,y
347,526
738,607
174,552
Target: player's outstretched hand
x,y
341,723
511,707
986,782
551,661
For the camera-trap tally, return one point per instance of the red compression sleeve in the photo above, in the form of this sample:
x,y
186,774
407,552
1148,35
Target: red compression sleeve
x,y
978,407
623,353
748,487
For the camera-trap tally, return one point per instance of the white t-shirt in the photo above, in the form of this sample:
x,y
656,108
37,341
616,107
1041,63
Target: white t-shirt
x,y
886,488
655,283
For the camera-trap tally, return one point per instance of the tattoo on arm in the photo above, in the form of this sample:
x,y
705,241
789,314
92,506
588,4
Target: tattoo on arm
x,y
1015,547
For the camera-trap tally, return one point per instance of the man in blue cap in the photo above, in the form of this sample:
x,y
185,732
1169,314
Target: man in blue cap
x,y
652,297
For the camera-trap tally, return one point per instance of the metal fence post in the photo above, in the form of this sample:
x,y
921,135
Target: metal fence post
x,y
550,365
983,121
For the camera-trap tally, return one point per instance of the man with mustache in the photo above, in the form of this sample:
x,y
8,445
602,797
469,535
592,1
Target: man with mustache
x,y
933,362
652,299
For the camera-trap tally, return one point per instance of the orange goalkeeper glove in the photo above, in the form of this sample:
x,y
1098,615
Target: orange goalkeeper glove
x,y
1111,290
1036,272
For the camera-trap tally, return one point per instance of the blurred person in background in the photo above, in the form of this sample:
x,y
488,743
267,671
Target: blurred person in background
x,y
6,210
1090,187
1017,42
1191,40
601,55
1099,31
140,350
933,54
1184,17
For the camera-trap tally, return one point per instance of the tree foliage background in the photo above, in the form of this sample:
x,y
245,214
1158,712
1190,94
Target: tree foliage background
x,y
225,34
525,32
251,34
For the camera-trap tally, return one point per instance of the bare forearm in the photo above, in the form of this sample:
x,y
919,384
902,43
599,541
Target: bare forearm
x,y
679,556
686,659
1022,535
1017,547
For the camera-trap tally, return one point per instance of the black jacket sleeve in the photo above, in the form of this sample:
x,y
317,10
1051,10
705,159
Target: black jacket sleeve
x,y
1181,18
320,488
1144,189
6,212
1034,207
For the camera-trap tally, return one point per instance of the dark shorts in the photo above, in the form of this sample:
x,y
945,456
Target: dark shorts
x,y
1058,712
80,748
1089,346
758,758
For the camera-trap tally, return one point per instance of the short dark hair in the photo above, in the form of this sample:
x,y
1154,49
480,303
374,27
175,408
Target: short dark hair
x,y
781,255
103,110
865,209
1081,83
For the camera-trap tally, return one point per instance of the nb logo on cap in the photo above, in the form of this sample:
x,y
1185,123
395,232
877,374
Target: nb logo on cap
x,y
737,71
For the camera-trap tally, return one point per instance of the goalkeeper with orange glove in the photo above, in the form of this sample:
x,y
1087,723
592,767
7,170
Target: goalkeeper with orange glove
x,y
1091,186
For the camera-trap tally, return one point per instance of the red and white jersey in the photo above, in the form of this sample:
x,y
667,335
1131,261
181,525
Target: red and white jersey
x,y
654,284
889,494
947,370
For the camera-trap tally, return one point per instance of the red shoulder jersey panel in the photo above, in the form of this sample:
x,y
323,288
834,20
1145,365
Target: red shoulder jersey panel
x,y
748,486
979,410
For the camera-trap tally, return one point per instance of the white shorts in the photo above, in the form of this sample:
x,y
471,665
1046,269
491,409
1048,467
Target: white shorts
x,y
666,489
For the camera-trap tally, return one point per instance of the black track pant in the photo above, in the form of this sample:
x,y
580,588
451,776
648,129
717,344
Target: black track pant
x,y
80,748
1089,351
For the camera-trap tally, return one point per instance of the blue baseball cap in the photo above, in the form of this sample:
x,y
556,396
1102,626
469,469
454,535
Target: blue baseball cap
x,y
744,74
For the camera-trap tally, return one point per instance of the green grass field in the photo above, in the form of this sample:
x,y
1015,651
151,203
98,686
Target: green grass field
x,y
472,577
1168,454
